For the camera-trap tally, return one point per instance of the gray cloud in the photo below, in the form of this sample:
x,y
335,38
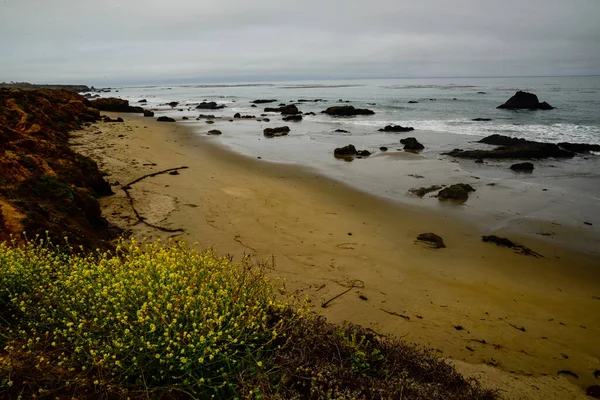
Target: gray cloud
x,y
141,41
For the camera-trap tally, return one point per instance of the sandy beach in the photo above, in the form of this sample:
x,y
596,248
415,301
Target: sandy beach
x,y
512,320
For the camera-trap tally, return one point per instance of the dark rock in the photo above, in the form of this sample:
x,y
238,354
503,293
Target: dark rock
x,y
115,105
523,167
363,153
341,131
165,119
285,109
422,191
501,140
579,147
253,106
143,101
237,115
411,144
173,104
459,192
206,116
275,132
148,113
266,120
214,132
174,173
348,150
413,102
525,100
481,119
263,101
383,148
396,128
432,240
210,122
185,118
211,105
294,118
310,113
347,111
481,93
593,391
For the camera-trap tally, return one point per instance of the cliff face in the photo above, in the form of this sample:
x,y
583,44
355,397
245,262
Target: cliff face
x,y
31,86
44,185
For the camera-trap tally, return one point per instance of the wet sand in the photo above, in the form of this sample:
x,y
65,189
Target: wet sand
x,y
523,318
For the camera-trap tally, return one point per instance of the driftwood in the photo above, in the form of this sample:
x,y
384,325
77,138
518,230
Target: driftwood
x,y
140,218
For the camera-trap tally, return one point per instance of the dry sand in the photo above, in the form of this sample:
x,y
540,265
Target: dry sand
x,y
523,319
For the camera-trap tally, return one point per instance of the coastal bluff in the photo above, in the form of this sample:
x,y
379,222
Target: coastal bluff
x,y
46,188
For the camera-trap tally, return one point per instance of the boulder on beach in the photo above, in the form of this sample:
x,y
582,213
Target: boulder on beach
x,y
185,118
115,105
524,100
396,128
383,148
284,110
432,240
165,119
293,118
347,111
237,115
276,132
148,113
525,151
522,167
263,101
109,119
211,105
350,151
214,132
458,192
411,143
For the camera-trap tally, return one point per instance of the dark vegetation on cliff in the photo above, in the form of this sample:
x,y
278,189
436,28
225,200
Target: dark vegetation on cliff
x,y
31,86
45,186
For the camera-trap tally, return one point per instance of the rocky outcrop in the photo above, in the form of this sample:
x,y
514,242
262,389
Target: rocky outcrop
x,y
276,132
165,119
459,192
524,100
347,111
284,110
211,105
115,105
432,240
32,86
148,113
396,128
522,167
412,144
45,186
517,148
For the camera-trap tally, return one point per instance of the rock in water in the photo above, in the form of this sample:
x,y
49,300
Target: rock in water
x,y
422,191
432,240
263,101
525,100
411,144
275,132
211,105
459,192
148,113
347,111
214,132
397,128
350,151
293,118
284,110
165,119
522,167
481,119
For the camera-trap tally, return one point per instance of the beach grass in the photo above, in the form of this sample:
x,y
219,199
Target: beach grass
x,y
163,320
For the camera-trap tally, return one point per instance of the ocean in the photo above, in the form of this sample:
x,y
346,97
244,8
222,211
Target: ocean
x,y
559,195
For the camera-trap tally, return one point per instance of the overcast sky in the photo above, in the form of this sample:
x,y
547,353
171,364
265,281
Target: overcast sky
x,y
149,41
